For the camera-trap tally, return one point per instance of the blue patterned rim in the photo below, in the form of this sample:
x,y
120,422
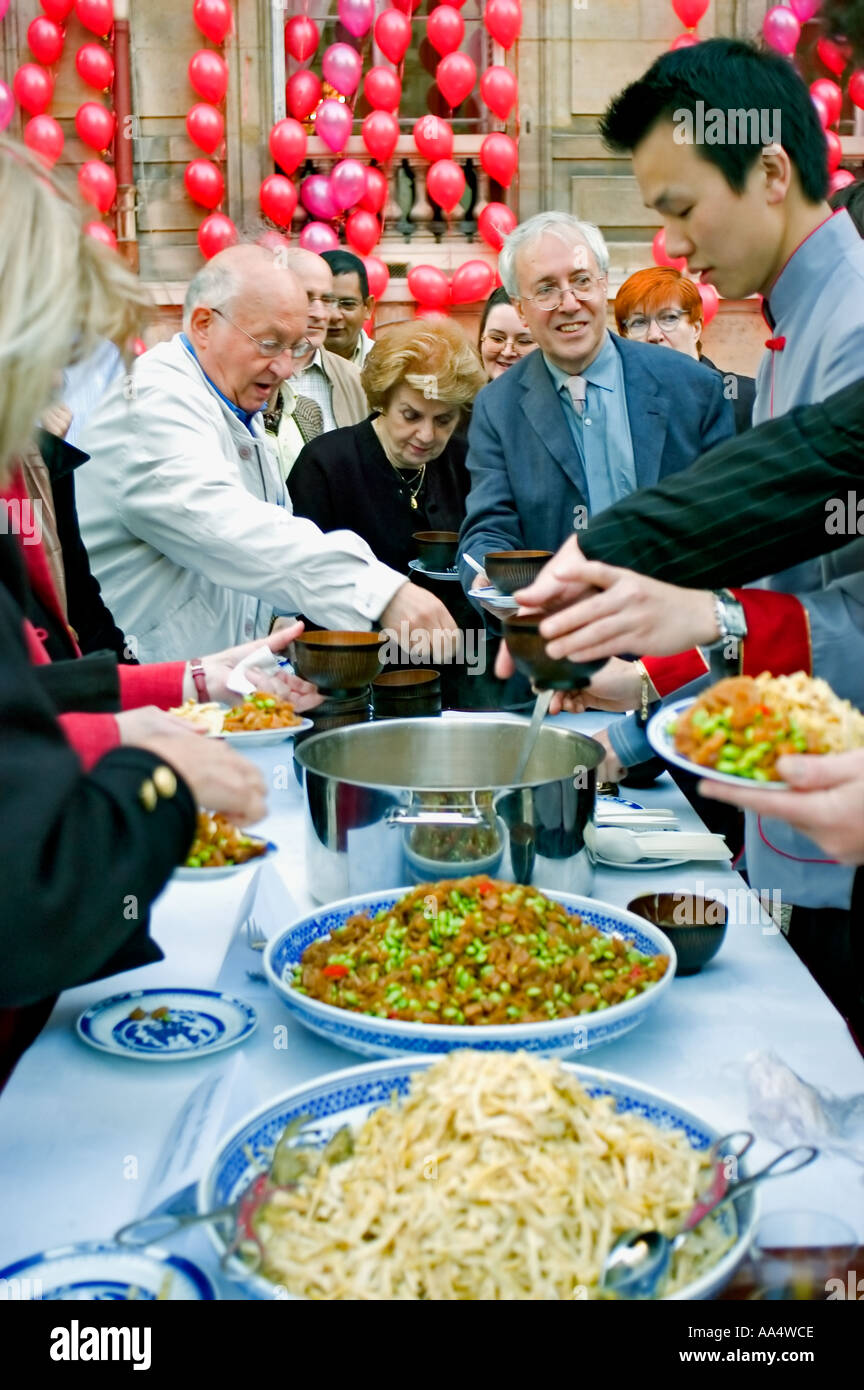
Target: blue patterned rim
x,y
374,1036
197,1278
123,1046
327,1098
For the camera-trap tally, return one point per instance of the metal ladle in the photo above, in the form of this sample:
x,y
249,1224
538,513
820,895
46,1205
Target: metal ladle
x,y
639,1260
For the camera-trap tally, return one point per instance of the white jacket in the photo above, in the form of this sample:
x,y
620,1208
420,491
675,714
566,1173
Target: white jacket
x,y
189,527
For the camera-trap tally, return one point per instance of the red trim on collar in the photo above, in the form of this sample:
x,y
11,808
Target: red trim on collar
x,y
775,344
767,297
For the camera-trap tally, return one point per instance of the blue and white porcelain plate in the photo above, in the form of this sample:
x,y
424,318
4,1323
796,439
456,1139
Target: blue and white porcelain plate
x,y
494,597
383,1037
198,1022
348,1097
101,1272
641,865
420,568
660,732
185,874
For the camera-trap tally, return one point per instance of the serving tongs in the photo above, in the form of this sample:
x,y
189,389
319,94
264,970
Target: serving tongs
x,y
639,1260
291,1161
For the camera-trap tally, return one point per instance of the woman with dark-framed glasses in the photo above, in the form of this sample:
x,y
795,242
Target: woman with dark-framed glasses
x,y
504,339
661,306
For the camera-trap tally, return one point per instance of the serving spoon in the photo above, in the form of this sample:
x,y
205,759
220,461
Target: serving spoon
x,y
639,1260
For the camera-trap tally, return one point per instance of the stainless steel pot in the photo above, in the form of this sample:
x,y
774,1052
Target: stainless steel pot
x,y
410,800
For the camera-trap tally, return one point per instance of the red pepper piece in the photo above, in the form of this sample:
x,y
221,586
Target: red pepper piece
x,y
335,972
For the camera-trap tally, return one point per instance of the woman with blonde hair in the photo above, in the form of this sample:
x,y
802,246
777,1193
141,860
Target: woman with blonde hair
x,y
403,469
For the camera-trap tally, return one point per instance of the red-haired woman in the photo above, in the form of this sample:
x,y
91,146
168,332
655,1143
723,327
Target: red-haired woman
x,y
662,306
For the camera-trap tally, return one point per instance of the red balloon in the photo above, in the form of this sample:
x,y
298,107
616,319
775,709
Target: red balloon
x,y
835,150
380,132
494,223
472,281
446,184
301,37
278,199
433,137
499,91
95,66
377,274
139,347
303,92
832,55
100,232
455,75
683,41
204,183
840,180
690,11
429,286
95,125
33,88
58,10
499,158
288,144
503,19
393,34
205,127
215,233
96,15
362,232
382,89
208,73
856,87
658,251
408,6
710,303
821,111
97,183
213,18
375,197
44,137
830,94
45,39
445,29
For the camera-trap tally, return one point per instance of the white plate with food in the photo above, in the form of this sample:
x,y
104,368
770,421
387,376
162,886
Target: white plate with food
x,y
259,721
167,1025
640,865
478,1177
101,1272
220,850
741,725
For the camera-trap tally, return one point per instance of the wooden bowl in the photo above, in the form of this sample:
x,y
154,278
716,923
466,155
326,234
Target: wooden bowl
x,y
528,650
436,550
338,661
510,570
695,926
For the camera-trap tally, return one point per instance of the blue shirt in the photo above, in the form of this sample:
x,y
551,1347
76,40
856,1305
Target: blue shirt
x,y
244,415
602,434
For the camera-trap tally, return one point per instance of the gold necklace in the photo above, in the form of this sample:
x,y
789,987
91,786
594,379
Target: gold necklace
x,y
412,498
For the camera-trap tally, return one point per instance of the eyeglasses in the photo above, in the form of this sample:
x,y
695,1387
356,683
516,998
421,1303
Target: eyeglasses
x,y
269,347
328,300
347,306
581,286
524,343
667,320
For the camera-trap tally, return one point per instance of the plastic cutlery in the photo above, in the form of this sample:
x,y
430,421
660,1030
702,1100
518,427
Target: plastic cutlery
x,y
625,846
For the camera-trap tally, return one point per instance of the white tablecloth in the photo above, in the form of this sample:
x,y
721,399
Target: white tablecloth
x,y
80,1132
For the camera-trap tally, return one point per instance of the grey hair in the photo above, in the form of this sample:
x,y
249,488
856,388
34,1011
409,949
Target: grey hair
x,y
213,286
562,224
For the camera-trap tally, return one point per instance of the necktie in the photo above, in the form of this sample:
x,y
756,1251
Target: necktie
x,y
309,418
578,388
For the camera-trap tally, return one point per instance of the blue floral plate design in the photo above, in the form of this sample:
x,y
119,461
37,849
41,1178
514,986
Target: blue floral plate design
x,y
348,1097
383,1037
101,1272
199,1023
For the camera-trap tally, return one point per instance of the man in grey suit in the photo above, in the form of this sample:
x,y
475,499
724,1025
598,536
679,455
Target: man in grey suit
x,y
586,420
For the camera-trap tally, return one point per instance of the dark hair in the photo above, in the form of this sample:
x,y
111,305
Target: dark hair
x,y
344,263
729,75
852,199
499,296
845,17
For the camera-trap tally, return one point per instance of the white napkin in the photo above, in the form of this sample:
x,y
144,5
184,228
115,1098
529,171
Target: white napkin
x,y
788,1110
264,660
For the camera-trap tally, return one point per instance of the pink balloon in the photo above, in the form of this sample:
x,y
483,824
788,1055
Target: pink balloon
x,y
805,9
341,66
7,105
347,183
357,16
710,302
781,29
4,5
316,195
318,237
821,111
840,180
660,254
333,123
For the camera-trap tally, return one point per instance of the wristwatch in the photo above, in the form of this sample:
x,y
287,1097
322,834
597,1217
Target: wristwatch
x,y
724,654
